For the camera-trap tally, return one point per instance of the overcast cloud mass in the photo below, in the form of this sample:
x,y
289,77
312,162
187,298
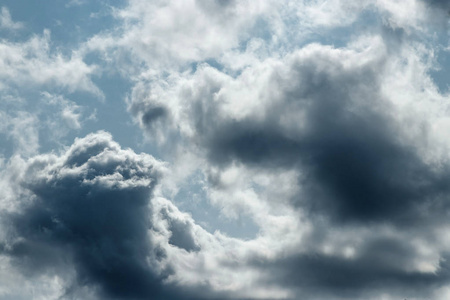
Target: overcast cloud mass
x,y
225,149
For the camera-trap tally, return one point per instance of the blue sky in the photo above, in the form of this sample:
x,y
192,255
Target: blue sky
x,y
224,149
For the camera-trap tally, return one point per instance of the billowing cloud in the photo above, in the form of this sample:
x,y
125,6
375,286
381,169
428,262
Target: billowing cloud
x,y
322,110
302,153
334,118
88,210
93,219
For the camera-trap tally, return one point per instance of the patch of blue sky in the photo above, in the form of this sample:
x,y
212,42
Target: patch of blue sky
x,y
109,114
70,22
441,75
441,71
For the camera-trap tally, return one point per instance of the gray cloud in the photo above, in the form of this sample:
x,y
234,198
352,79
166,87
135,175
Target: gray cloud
x,y
181,233
375,271
439,12
355,164
438,3
89,209
326,114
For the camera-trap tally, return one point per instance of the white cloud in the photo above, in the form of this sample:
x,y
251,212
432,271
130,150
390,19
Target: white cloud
x,y
70,112
23,130
34,63
6,22
171,35
154,38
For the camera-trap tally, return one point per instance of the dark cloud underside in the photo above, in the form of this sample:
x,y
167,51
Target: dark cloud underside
x,y
90,211
320,276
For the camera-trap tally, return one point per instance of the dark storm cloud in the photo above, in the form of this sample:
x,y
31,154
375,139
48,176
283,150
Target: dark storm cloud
x,y
89,211
381,266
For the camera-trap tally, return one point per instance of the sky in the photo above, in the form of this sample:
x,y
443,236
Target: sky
x,y
224,149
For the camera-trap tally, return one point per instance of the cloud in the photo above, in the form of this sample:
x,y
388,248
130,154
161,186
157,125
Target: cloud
x,y
174,32
318,276
6,22
439,3
70,113
91,222
354,131
88,210
22,129
152,39
332,141
34,63
29,125
320,110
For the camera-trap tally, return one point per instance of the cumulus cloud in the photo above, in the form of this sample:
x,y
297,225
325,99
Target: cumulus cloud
x,y
90,222
88,210
322,110
334,118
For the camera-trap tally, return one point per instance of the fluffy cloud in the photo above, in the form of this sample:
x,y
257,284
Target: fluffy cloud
x,y
87,210
326,111
34,63
154,38
91,222
170,35
335,118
